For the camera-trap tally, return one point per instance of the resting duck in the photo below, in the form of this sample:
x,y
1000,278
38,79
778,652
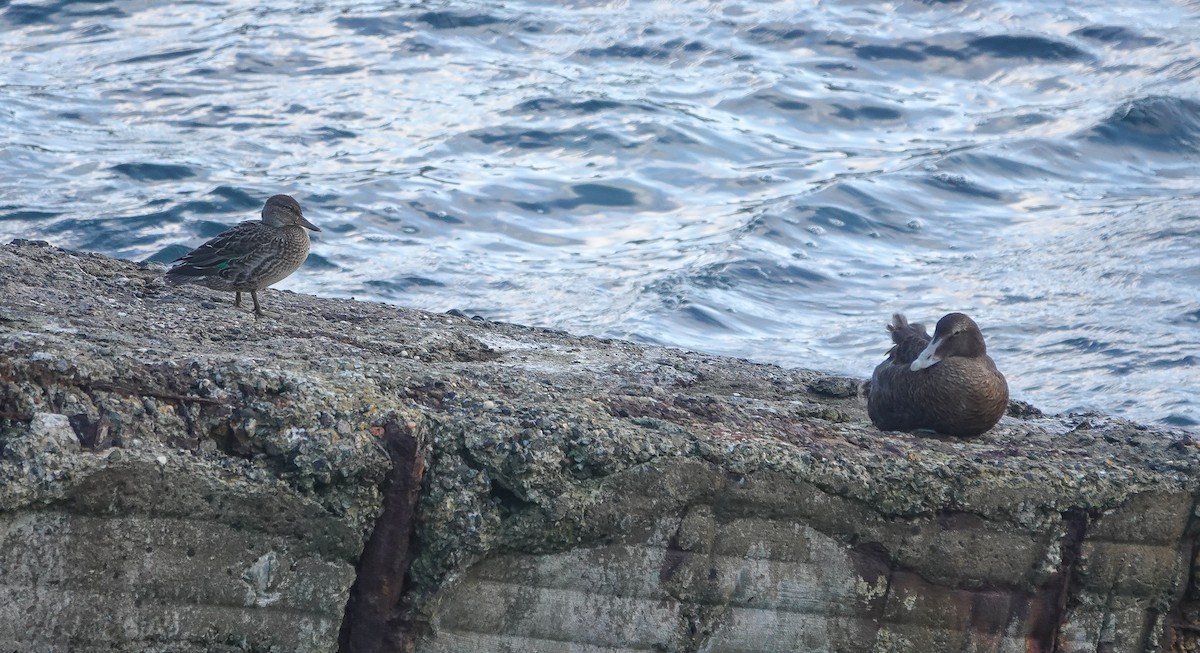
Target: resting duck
x,y
948,384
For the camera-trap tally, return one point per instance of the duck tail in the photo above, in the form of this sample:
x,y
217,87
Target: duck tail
x,y
909,339
186,273
904,331
898,328
178,275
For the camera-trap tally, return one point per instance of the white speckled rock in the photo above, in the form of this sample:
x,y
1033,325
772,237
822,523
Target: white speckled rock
x,y
54,430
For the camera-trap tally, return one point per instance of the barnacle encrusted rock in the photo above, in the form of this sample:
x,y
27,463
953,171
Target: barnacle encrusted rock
x,y
177,475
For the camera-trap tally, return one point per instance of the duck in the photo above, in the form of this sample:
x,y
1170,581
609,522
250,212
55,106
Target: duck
x,y
947,384
251,255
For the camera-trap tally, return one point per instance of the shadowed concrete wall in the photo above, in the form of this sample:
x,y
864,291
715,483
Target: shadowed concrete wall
x,y
176,475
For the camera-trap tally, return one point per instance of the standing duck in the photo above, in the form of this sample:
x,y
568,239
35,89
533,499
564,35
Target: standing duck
x,y
250,256
948,384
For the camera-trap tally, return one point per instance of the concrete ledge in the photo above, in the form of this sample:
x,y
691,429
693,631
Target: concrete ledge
x,y
177,475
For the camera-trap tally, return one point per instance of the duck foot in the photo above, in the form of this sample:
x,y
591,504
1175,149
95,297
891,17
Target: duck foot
x,y
258,311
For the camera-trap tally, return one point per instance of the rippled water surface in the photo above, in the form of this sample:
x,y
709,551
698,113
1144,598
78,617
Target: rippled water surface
x,y
762,179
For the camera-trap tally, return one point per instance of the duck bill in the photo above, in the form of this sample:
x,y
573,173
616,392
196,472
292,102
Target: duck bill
x,y
305,223
928,357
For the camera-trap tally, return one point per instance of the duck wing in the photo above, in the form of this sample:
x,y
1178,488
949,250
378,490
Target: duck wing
x,y
228,254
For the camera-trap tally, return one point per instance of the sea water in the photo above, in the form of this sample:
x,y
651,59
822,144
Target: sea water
x,y
768,180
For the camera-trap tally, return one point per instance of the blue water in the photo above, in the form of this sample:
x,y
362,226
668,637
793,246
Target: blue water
x,y
763,179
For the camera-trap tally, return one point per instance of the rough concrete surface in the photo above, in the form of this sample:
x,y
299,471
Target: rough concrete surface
x,y
177,475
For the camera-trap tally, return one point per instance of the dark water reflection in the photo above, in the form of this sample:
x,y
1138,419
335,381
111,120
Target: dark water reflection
x,y
768,180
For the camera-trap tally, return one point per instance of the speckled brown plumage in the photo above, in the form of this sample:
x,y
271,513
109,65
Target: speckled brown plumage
x,y
251,255
954,390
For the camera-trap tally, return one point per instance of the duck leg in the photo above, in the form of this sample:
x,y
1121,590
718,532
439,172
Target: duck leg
x,y
237,299
254,295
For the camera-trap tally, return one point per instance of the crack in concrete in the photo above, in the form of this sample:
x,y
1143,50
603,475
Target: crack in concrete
x,y
1179,631
1045,627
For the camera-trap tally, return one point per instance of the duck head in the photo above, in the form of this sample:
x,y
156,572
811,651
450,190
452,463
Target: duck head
x,y
955,335
282,211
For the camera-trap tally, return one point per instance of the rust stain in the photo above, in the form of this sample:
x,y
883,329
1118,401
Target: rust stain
x,y
370,623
